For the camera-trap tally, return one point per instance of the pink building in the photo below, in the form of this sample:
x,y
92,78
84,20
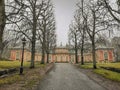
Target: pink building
x,y
105,54
63,54
16,54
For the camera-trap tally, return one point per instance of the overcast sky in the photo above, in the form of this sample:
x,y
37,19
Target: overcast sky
x,y
64,11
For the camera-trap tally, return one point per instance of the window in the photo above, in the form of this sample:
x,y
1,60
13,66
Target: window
x,y
61,58
110,55
56,58
66,58
17,55
50,58
106,56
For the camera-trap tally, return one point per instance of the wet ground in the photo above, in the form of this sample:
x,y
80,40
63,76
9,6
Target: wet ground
x,y
65,76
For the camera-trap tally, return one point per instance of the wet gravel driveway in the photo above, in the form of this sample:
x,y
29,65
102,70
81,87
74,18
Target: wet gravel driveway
x,y
65,76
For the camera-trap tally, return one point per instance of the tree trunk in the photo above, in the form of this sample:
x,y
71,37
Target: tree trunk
x,y
2,24
43,49
47,57
76,50
76,55
43,56
82,57
94,55
82,50
32,54
93,40
33,39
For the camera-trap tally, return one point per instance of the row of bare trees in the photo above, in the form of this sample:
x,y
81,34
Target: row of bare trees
x,y
33,19
90,20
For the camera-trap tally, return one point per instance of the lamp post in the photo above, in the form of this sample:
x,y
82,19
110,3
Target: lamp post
x,y
21,67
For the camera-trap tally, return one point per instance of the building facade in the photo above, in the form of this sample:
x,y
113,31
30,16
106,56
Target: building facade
x,y
64,54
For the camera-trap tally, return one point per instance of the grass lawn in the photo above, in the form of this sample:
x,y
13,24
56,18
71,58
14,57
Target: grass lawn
x,y
10,80
105,73
12,64
90,65
16,64
114,65
108,74
29,77
27,72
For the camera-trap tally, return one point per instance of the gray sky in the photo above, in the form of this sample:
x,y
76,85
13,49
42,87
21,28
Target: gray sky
x,y
64,11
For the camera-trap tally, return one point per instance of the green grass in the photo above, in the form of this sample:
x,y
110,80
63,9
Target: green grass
x,y
114,65
16,64
105,73
12,64
10,80
37,64
90,65
87,66
32,73
108,74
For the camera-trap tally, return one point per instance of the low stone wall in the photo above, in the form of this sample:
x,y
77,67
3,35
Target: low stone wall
x,y
7,71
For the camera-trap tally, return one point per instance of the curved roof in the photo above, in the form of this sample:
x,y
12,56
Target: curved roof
x,y
104,47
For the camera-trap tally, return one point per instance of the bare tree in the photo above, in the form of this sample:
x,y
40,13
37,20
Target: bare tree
x,y
103,40
27,21
12,9
3,18
79,28
50,39
2,23
50,44
83,35
47,30
95,22
114,12
74,39
82,30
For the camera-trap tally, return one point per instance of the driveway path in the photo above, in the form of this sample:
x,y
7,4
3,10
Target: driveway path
x,y
65,76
